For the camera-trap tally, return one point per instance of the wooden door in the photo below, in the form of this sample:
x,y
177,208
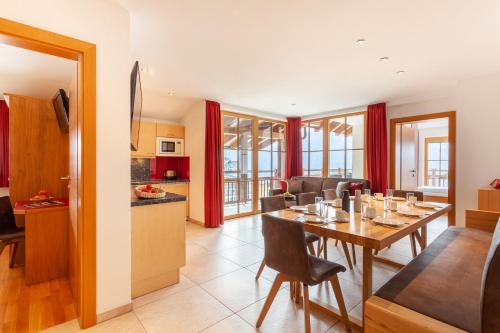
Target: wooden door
x,y
409,159
38,155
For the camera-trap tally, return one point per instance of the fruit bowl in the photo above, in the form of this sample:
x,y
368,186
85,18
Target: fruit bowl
x,y
41,196
149,192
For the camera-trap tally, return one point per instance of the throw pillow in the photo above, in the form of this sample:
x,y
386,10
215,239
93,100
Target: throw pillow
x,y
341,187
355,186
294,186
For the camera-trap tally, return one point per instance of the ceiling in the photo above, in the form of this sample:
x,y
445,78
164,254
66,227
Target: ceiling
x,y
267,55
29,73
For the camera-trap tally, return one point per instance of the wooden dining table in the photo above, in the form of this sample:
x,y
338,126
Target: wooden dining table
x,y
372,237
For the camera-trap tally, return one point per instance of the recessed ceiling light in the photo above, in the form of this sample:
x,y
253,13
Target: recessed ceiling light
x,y
400,72
145,69
384,59
293,104
171,93
360,41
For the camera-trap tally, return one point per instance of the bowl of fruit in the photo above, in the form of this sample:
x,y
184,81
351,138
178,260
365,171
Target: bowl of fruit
x,y
41,196
149,192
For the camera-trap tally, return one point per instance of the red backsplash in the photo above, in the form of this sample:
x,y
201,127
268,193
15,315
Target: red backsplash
x,y
161,164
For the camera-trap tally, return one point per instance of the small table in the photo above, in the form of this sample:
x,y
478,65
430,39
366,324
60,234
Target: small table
x,y
46,244
371,237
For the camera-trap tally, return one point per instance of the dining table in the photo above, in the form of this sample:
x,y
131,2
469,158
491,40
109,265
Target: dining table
x,y
371,236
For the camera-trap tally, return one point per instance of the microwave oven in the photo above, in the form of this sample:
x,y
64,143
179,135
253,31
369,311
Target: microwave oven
x,y
169,147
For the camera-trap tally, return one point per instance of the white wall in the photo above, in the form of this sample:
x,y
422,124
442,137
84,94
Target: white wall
x,y
106,25
194,121
477,103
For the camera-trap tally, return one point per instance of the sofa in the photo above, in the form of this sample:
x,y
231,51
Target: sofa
x,y
452,286
318,184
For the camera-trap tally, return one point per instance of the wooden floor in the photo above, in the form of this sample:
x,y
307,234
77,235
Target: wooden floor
x,y
31,308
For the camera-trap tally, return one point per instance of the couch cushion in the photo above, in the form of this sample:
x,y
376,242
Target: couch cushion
x,y
331,183
444,281
311,184
295,186
341,187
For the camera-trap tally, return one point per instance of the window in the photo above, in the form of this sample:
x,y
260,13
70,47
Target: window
x,y
312,148
436,162
346,143
271,156
238,165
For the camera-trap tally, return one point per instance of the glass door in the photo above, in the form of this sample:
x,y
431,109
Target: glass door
x,y
238,165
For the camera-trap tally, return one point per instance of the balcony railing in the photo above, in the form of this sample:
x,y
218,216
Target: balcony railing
x,y
241,190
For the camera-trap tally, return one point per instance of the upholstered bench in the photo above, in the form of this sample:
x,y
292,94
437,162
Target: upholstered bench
x,y
452,286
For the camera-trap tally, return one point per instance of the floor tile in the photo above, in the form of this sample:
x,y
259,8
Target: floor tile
x,y
244,255
216,242
67,327
183,284
206,268
380,275
248,236
351,292
127,323
191,310
268,273
238,289
194,250
233,324
285,316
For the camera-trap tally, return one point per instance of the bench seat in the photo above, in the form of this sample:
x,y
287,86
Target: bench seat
x,y
444,281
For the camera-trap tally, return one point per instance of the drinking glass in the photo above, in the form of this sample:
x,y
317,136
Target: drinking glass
x,y
368,192
409,197
364,206
318,201
389,193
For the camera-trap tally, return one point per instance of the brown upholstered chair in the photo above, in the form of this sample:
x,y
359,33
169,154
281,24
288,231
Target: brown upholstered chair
x,y
10,234
402,194
306,198
330,194
490,286
277,202
286,252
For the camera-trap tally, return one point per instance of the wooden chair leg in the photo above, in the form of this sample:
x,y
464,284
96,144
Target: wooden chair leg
x,y
375,252
13,255
347,255
310,246
353,247
413,245
261,268
270,298
307,309
319,248
298,292
292,290
2,246
340,300
336,242
325,248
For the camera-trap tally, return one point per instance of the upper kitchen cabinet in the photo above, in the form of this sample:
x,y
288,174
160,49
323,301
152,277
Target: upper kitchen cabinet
x,y
147,141
170,131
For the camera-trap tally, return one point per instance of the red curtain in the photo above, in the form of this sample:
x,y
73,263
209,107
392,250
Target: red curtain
x,y
214,208
376,147
293,147
4,144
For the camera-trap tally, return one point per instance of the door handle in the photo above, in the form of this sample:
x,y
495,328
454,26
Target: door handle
x,y
65,178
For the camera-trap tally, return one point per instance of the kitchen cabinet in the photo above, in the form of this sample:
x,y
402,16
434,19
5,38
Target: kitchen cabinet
x,y
147,141
170,131
178,188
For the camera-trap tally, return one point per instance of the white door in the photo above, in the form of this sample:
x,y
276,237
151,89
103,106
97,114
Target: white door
x,y
409,159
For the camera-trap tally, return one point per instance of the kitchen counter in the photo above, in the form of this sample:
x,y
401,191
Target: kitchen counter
x,y
159,181
169,197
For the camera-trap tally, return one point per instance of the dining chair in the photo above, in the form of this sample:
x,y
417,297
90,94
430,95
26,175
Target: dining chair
x,y
306,198
414,235
286,252
330,194
277,202
10,234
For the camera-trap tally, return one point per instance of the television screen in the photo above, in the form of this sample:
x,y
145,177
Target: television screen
x,y
135,106
61,106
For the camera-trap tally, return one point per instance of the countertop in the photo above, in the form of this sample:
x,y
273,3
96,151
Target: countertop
x,y
159,181
169,197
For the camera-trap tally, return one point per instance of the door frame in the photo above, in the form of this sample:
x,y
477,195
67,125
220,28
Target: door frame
x,y
452,126
43,41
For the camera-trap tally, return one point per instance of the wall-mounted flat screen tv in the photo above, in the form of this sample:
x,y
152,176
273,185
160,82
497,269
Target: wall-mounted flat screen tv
x,y
135,106
60,102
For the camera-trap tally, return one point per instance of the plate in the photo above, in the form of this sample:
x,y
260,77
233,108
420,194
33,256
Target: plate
x,y
313,219
411,213
387,222
299,208
427,205
332,203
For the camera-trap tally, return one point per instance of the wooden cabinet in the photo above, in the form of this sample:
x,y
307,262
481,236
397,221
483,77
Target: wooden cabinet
x,y
489,199
179,188
158,246
170,131
147,141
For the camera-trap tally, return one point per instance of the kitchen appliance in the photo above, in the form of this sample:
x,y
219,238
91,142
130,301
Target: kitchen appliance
x,y
169,147
170,174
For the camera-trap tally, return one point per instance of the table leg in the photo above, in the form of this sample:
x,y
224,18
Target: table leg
x,y
367,276
423,235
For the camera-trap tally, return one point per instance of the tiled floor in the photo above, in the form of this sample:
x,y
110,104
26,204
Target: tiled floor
x,y
218,292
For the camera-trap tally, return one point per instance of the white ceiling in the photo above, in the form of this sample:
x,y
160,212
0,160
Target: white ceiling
x,y
29,73
266,55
